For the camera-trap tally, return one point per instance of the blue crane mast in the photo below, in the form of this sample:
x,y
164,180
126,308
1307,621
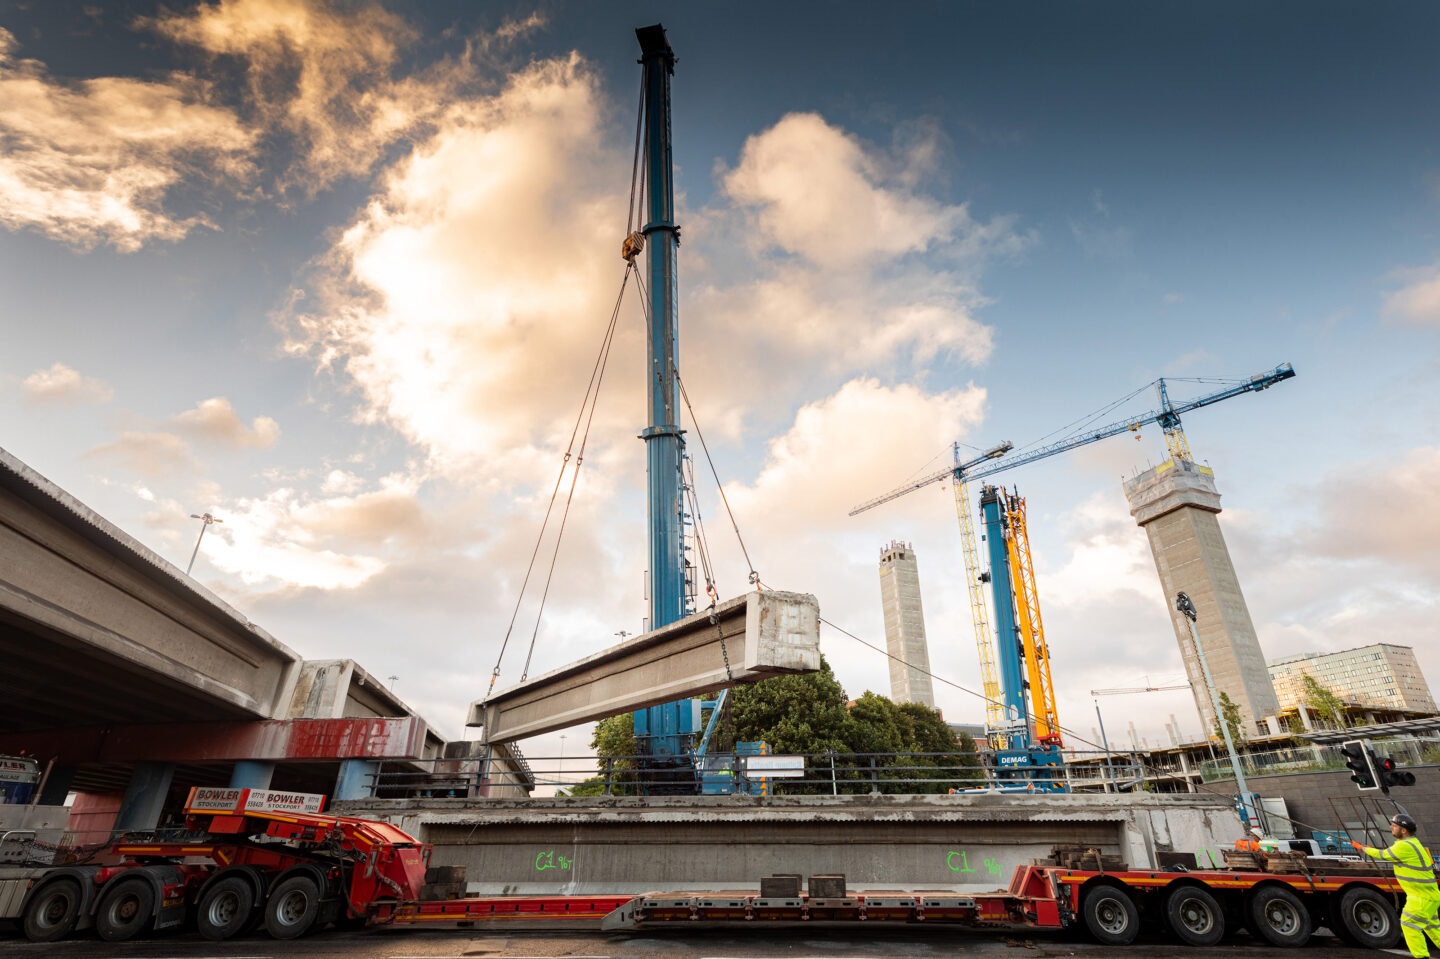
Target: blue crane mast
x,y
665,732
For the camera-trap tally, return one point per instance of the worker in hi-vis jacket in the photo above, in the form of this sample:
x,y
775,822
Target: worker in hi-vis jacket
x,y
1415,871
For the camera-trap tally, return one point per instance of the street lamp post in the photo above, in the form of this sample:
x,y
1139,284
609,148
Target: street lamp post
x,y
1187,609
206,519
1105,741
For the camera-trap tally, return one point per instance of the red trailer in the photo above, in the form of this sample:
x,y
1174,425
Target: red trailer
x,y
274,858
263,857
1199,907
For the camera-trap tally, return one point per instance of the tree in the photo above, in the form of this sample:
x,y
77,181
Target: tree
x,y
1230,710
1323,702
614,741
803,713
807,714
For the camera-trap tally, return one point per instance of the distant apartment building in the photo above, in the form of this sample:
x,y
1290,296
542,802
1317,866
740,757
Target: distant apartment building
x,y
1378,675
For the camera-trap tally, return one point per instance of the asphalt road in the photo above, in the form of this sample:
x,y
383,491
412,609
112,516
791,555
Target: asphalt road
x,y
749,943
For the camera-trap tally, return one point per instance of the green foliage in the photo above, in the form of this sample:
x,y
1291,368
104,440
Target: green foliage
x,y
614,737
1329,708
1230,711
795,714
807,714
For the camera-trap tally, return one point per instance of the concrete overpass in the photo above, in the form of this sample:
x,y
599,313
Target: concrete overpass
x,y
128,677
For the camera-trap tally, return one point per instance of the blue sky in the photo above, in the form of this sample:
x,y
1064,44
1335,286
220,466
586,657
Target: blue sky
x,y
337,274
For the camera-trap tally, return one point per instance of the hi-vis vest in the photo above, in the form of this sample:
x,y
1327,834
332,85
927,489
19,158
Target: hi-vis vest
x,y
1414,866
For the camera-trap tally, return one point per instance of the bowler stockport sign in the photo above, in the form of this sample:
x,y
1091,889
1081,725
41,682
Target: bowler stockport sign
x,y
205,799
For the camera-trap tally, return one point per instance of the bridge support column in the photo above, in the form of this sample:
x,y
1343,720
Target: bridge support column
x,y
144,797
249,774
357,779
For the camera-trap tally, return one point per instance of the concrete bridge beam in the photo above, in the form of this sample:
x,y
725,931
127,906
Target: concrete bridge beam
x,y
745,640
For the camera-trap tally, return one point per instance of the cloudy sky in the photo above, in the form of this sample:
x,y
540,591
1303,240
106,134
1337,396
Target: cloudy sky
x,y
338,274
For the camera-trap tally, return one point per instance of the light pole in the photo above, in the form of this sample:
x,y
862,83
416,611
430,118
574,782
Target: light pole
x,y
561,775
1104,741
206,519
1187,609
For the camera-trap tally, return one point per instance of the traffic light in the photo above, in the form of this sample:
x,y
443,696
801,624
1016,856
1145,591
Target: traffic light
x,y
1360,760
1391,774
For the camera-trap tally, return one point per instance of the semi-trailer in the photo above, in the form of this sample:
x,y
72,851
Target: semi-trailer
x,y
254,858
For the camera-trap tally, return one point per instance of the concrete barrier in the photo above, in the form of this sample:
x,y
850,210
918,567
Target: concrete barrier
x,y
963,843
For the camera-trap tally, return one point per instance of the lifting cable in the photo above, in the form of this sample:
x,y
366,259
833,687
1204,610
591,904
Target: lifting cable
x,y
592,392
575,473
1200,787
634,242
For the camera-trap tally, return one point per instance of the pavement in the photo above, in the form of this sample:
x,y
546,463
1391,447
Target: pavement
x,y
749,943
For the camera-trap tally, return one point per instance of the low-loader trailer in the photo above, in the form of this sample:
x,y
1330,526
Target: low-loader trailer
x,y
260,857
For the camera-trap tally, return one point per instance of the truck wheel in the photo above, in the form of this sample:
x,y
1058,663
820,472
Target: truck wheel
x,y
1110,915
1195,916
1367,918
293,908
125,910
1279,917
225,908
52,914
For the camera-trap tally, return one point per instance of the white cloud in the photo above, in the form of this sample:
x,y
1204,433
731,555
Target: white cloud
x,y
482,275
1418,300
339,481
156,455
288,539
215,421
93,161
61,384
324,75
817,192
1385,513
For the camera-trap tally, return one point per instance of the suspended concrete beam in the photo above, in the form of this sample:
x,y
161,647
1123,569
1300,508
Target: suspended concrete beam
x,y
762,634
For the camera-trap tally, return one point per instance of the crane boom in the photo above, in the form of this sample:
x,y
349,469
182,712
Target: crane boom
x,y
1127,690
1168,416
959,471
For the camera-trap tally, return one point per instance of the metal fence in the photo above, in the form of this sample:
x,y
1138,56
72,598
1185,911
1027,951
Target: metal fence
x,y
1315,758
830,773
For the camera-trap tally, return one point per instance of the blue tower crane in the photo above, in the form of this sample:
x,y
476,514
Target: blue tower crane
x,y
1167,416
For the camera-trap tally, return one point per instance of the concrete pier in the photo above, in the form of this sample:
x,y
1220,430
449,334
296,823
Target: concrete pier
x,y
1176,504
964,843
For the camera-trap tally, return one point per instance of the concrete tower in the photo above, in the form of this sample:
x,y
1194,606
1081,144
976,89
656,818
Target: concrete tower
x,y
1176,504
905,625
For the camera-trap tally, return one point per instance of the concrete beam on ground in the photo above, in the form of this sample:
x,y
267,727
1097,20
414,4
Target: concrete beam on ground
x,y
295,740
762,633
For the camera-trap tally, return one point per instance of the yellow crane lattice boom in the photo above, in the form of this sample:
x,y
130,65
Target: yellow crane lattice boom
x,y
1032,629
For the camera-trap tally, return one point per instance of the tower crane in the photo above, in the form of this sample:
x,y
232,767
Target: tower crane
x,y
1019,740
1129,690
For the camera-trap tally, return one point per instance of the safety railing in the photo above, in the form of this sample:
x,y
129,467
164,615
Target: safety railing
x,y
831,773
1315,758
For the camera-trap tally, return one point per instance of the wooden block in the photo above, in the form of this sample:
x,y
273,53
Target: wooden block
x,y
827,887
